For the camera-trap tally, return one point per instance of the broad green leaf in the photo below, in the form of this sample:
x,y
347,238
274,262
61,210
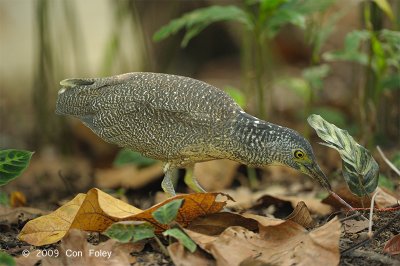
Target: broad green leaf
x,y
184,239
315,75
385,7
126,156
131,231
351,51
194,22
6,260
237,95
282,17
12,164
390,41
360,170
168,212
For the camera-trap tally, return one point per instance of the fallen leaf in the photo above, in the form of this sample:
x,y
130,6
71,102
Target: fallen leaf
x,y
216,223
385,199
32,259
344,192
216,175
355,226
301,215
278,243
245,199
182,257
128,176
12,215
17,199
106,253
392,247
96,211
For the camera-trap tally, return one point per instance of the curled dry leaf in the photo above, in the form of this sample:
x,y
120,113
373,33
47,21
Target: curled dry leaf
x,y
216,223
217,174
355,226
393,245
96,211
181,256
301,215
122,176
279,242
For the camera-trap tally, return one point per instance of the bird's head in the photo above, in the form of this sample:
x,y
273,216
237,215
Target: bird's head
x,y
295,151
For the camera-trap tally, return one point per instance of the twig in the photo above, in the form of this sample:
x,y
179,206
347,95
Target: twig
x,y
336,196
391,165
377,233
371,212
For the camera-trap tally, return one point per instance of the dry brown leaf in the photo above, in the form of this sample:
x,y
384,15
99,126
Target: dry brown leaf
x,y
96,211
12,215
392,247
181,256
216,175
279,243
31,259
385,199
245,199
127,176
17,199
106,253
301,215
216,223
344,192
354,226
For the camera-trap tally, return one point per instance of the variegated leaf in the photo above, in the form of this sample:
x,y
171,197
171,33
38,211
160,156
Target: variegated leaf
x,y
360,170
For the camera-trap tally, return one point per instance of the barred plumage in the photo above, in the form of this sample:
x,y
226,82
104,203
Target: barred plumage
x,y
178,120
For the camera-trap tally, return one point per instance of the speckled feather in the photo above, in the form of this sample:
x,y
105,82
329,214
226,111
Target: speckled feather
x,y
175,119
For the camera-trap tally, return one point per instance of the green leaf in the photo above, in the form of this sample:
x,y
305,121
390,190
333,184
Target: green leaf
x,y
168,212
130,231
237,95
315,75
360,170
194,22
385,7
4,199
351,49
12,164
6,260
126,156
184,239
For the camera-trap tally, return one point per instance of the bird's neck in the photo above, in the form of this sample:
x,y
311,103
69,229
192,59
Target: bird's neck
x,y
255,141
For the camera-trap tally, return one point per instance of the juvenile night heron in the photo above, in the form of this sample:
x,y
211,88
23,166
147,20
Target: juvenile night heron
x,y
181,121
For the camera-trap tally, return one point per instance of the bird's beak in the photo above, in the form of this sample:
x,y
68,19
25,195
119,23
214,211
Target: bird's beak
x,y
314,171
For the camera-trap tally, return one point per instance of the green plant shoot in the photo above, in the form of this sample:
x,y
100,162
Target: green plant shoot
x,y
168,212
130,231
184,239
360,170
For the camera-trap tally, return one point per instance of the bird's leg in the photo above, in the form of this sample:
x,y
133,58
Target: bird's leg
x,y
191,181
167,184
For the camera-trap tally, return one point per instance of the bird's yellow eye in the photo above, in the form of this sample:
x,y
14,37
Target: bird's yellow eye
x,y
298,154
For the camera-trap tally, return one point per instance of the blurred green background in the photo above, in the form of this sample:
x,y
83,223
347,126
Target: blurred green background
x,y
282,59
